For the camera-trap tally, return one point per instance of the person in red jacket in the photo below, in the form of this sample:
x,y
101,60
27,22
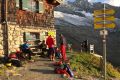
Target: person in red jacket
x,y
50,43
62,42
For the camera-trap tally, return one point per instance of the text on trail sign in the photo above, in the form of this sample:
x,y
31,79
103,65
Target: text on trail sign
x,y
98,26
107,11
106,18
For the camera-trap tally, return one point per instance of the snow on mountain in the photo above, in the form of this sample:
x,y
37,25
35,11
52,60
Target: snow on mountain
x,y
86,13
58,14
66,19
74,19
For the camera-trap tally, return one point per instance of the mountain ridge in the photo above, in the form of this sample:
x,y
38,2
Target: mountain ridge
x,y
84,5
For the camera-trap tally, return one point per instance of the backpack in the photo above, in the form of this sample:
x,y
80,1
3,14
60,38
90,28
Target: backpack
x,y
69,70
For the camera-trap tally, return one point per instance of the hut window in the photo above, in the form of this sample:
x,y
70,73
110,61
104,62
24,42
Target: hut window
x,y
33,37
37,6
41,7
19,4
29,5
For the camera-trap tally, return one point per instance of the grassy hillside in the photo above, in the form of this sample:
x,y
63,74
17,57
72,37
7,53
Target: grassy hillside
x,y
76,35
89,67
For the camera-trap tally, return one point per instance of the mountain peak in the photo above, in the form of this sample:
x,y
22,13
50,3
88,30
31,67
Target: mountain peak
x,y
85,5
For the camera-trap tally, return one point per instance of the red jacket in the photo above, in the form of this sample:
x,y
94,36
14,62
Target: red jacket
x,y
50,42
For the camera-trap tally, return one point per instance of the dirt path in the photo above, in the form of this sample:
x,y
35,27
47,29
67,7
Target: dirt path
x,y
38,70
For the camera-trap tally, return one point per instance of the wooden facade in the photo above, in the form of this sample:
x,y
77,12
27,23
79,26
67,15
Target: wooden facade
x,y
28,18
16,20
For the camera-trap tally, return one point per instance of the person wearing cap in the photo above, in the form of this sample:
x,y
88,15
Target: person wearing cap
x,y
50,43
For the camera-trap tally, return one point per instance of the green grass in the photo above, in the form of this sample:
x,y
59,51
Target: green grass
x,y
85,64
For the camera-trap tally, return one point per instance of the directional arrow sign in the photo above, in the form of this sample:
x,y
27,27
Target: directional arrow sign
x,y
106,18
100,26
100,12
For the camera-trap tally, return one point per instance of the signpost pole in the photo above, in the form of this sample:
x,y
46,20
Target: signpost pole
x,y
104,55
104,19
104,46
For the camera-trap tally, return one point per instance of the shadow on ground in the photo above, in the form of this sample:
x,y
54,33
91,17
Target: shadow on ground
x,y
43,71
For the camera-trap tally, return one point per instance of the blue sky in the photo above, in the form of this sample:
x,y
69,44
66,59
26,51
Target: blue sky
x,y
111,2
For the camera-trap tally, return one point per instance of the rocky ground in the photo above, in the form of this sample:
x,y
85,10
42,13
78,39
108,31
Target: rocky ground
x,y
42,69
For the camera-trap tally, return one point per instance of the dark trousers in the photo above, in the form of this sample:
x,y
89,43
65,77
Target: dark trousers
x,y
29,52
43,51
16,62
51,51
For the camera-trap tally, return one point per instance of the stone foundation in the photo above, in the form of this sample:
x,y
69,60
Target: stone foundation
x,y
1,40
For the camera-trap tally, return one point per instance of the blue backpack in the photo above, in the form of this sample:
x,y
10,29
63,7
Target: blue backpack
x,y
69,70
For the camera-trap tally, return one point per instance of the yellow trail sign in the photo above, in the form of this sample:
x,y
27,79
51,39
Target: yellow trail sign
x,y
100,26
106,11
106,18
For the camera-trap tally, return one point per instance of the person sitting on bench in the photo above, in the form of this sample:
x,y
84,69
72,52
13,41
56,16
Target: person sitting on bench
x,y
26,49
43,47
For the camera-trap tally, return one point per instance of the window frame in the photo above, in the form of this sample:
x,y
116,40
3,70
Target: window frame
x,y
42,11
37,6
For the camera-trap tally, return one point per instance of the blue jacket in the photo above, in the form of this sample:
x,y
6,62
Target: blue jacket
x,y
25,46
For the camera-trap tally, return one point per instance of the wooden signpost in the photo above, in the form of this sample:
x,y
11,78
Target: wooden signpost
x,y
104,19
